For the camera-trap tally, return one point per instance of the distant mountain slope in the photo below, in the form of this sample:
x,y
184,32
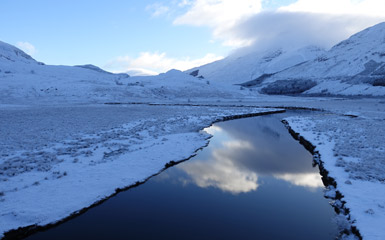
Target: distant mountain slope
x,y
361,54
237,69
24,80
355,66
9,53
93,67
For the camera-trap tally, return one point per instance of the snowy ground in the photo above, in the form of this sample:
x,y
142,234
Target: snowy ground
x,y
56,161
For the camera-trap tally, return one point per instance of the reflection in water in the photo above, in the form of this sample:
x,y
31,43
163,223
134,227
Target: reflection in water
x,y
242,151
220,170
213,129
310,180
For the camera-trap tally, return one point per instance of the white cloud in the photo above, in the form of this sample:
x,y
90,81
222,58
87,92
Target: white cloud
x,y
220,15
216,13
244,23
140,72
184,3
157,62
286,29
157,9
372,8
27,47
304,22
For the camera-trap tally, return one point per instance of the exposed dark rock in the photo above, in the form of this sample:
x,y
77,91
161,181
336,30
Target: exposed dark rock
x,y
194,73
374,74
296,86
321,59
271,56
379,82
257,81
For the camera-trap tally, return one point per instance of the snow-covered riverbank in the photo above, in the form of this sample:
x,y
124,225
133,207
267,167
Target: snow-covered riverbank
x,y
59,160
352,151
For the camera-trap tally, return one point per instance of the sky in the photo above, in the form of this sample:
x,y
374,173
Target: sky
x,y
153,36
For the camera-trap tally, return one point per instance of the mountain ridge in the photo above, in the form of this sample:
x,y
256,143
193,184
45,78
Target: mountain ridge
x,y
26,81
355,66
253,65
14,54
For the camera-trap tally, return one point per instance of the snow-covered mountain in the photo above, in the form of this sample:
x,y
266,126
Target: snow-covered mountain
x,y
24,80
10,54
238,68
355,66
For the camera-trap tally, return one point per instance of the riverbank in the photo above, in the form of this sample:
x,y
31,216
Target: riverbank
x,y
351,152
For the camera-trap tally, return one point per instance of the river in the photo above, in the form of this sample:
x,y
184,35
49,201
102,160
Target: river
x,y
253,181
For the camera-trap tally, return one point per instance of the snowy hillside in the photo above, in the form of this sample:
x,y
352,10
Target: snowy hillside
x,y
10,54
24,80
239,68
176,84
355,66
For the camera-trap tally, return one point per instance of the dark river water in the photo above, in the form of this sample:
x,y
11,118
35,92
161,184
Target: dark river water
x,y
253,181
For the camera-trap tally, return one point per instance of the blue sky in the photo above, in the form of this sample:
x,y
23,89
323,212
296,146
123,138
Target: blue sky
x,y
77,32
152,35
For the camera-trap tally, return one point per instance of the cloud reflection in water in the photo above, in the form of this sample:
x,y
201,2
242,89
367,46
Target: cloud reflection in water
x,y
221,172
245,150
310,180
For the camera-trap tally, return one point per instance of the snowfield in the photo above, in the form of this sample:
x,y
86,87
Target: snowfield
x,y
58,160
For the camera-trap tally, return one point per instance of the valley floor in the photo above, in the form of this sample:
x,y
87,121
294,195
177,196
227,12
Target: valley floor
x,y
57,160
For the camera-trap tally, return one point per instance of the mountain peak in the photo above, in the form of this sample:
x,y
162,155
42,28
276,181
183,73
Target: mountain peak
x,y
366,40
14,54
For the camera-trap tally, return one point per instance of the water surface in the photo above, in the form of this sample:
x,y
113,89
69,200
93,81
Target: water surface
x,y
253,181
